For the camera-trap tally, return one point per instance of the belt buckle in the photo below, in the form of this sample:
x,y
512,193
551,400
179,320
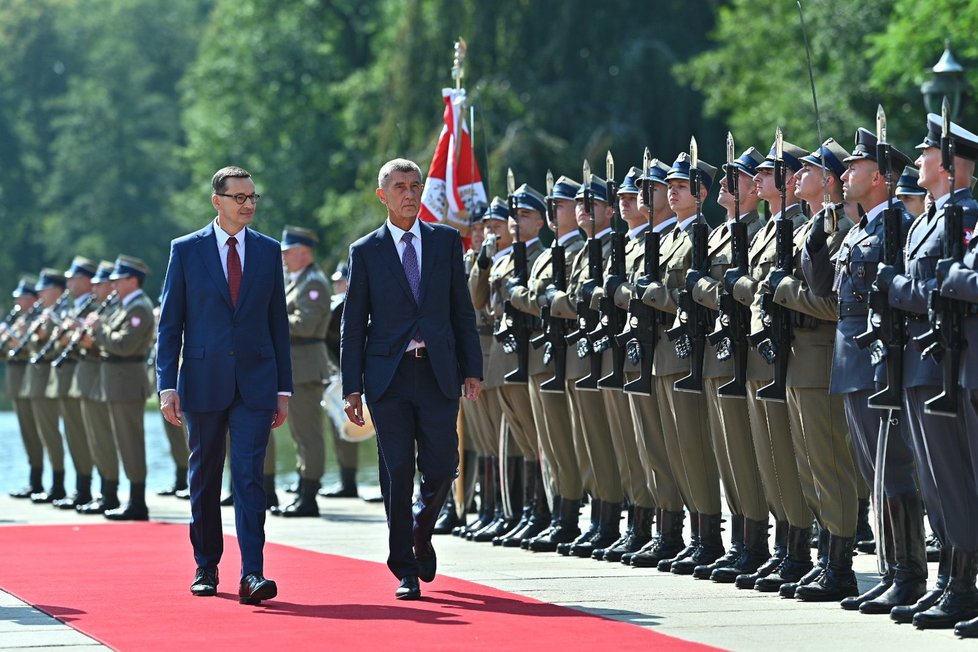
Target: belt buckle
x,y
420,352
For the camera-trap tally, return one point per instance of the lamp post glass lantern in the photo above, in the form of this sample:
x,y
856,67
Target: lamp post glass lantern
x,y
948,81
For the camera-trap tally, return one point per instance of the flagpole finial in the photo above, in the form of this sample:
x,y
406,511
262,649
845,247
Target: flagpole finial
x,y
458,62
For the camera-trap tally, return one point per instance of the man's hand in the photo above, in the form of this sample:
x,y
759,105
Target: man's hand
x,y
281,411
512,284
170,406
548,296
774,278
353,407
472,388
693,277
884,277
943,267
485,257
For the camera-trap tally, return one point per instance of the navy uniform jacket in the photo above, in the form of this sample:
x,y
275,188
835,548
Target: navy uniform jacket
x,y
910,291
962,283
381,316
855,266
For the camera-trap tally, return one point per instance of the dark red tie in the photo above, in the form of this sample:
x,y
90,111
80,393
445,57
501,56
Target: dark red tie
x,y
234,271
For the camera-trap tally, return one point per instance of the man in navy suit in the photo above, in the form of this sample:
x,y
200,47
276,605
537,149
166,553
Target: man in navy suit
x,y
409,346
223,309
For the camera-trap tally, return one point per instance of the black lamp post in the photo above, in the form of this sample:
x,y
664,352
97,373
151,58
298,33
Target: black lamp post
x,y
948,81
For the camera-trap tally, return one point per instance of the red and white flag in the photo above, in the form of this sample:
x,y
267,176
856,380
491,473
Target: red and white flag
x,y
453,187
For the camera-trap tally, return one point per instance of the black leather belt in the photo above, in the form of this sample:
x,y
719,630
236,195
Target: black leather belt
x,y
853,310
114,359
307,340
419,353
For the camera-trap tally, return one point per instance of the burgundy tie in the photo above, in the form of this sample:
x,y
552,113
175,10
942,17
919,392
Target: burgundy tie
x,y
234,271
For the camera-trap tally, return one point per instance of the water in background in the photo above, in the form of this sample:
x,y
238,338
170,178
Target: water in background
x,y
14,470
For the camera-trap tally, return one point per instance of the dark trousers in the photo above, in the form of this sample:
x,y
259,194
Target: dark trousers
x,y
413,412
249,431
866,425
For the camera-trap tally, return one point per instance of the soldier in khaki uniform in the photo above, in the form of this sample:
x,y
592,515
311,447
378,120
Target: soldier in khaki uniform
x,y
683,414
47,410
125,338
87,387
516,398
25,297
729,419
307,295
79,281
770,427
551,409
641,510
592,436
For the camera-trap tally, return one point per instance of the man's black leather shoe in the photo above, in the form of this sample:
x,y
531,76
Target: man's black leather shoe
x,y
409,589
427,562
205,582
254,588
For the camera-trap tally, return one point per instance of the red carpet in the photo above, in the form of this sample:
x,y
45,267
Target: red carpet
x,y
126,585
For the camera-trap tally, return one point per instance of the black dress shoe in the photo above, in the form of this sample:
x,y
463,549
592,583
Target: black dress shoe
x,y
427,562
254,588
130,512
409,589
182,494
205,582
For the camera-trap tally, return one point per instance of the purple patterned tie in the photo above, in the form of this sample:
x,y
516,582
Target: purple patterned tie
x,y
410,262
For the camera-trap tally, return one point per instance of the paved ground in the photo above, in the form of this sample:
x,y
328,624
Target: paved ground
x,y
696,610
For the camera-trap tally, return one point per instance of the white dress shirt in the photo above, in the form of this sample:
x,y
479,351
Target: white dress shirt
x,y
222,246
397,233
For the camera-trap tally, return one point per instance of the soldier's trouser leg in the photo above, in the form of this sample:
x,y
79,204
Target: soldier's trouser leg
x,y
81,454
98,425
730,424
599,452
820,438
557,439
176,437
477,424
46,413
306,421
28,432
944,461
623,439
651,445
687,435
515,401
867,425
776,457
348,452
577,433
494,414
971,424
127,428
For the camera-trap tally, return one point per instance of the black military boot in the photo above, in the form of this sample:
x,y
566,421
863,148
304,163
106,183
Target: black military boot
x,y
967,628
865,541
933,548
271,496
57,491
654,536
345,488
293,487
754,553
82,495
109,499
448,517
667,545
609,529
748,580
34,485
736,549
531,469
506,513
598,553
540,516
821,563
591,532
795,565
554,520
906,514
135,509
708,550
959,602
179,483
930,598
566,528
665,565
640,535
486,495
886,579
838,581
304,505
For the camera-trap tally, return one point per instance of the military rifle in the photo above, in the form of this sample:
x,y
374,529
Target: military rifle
x,y
515,334
36,325
612,317
587,318
554,328
83,332
60,330
25,317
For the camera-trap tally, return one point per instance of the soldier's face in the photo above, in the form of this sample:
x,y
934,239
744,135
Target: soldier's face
x,y
628,205
295,258
499,229
680,200
565,213
914,203
808,183
530,224
49,295
859,178
78,284
930,166
102,290
477,235
25,301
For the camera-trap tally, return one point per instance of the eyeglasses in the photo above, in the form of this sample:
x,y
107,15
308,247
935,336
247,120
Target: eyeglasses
x,y
240,198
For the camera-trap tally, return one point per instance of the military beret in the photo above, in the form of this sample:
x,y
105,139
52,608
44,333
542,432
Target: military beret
x,y
830,156
293,236
126,266
965,142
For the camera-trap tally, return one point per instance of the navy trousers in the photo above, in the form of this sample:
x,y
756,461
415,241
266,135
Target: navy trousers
x,y
414,418
249,431
866,425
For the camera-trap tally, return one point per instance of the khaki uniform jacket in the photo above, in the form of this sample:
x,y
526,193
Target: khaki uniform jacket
x,y
62,378
307,301
125,338
38,376
87,383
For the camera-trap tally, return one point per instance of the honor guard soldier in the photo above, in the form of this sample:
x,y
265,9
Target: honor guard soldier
x,y
25,308
729,420
125,337
593,442
909,191
95,408
46,409
307,299
941,443
79,283
770,429
684,421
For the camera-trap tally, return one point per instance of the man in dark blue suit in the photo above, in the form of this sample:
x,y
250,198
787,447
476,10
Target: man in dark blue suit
x,y
408,345
224,362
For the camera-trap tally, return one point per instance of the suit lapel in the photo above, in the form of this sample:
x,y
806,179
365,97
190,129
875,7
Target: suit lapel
x,y
207,249
388,253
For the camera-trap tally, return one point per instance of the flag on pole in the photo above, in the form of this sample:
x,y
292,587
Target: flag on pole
x,y
453,187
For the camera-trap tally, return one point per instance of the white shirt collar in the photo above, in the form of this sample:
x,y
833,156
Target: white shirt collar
x,y
689,220
82,298
876,210
397,233
530,243
566,237
662,226
132,297
602,233
500,254
223,236
637,231
777,216
943,199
